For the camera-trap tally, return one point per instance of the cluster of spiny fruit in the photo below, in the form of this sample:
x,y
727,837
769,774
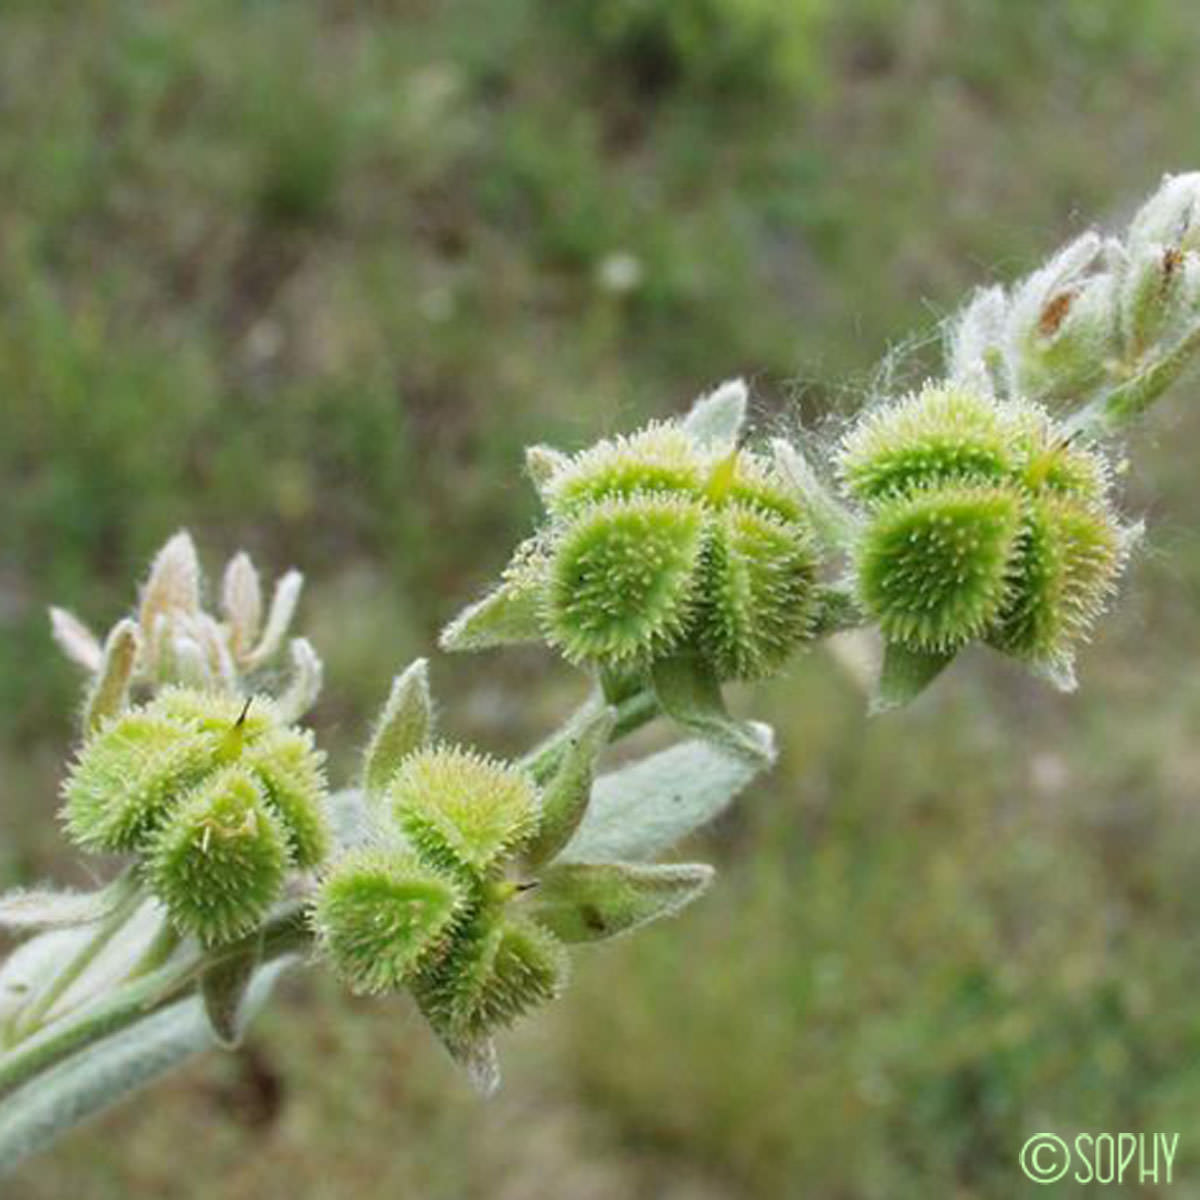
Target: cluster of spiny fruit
x,y
965,518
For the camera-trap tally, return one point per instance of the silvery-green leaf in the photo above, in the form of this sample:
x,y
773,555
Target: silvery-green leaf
x,y
588,902
642,809
242,602
716,419
976,346
905,674
505,616
284,601
405,725
33,908
95,1078
478,1058
1171,216
31,966
566,793
304,685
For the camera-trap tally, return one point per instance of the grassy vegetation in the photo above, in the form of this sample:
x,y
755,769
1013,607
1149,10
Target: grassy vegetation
x,y
308,277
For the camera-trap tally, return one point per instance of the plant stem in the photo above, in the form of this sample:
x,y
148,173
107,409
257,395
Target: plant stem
x,y
160,949
286,933
128,897
632,713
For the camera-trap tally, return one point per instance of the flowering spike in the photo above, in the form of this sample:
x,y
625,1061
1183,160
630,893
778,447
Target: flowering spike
x,y
288,766
662,458
1068,560
933,567
141,766
219,861
381,913
460,809
127,776
940,435
985,521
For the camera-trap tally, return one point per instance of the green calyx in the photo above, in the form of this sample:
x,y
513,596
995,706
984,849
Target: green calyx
x,y
218,796
983,521
671,539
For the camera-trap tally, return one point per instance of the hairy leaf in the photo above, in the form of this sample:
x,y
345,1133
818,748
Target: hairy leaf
x,y
645,808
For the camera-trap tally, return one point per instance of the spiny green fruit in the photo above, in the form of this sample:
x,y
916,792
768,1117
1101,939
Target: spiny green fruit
x,y
757,603
499,969
659,458
661,542
623,580
934,566
983,520
1065,573
219,861
128,775
288,767
380,914
462,810
939,435
138,766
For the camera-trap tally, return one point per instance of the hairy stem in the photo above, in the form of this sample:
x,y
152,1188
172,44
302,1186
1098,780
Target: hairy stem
x,y
129,896
286,933
633,712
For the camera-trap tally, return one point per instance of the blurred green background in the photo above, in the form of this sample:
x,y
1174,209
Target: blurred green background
x,y
306,277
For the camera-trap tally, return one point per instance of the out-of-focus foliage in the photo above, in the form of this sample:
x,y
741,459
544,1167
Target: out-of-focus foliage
x,y
724,46
307,277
